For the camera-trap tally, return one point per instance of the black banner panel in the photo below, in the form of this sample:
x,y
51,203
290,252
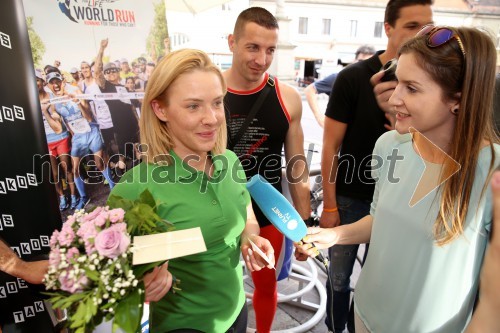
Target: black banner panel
x,y
29,210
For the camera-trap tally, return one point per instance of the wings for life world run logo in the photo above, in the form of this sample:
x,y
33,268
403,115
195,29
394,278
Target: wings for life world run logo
x,y
97,12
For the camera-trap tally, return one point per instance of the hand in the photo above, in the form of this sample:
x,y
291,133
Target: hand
x,y
157,283
253,260
383,91
322,238
329,220
45,104
104,43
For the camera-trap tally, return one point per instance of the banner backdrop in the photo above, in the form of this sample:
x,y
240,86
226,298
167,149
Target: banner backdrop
x,y
28,208
63,33
71,30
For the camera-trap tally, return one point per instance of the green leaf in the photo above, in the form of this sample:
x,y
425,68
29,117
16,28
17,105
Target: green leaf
x,y
129,311
147,198
89,309
78,318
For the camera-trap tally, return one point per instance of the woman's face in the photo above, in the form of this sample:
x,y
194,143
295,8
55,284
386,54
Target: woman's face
x,y
419,103
195,112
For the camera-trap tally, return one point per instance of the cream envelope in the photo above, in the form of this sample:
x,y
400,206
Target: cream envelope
x,y
167,245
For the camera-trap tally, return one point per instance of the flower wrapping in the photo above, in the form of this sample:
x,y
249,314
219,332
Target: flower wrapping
x,y
90,264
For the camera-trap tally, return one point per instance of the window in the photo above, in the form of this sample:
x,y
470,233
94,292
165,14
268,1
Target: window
x,y
327,23
177,39
303,25
378,29
354,28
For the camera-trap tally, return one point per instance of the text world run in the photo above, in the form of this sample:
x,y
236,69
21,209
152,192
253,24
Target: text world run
x,y
104,15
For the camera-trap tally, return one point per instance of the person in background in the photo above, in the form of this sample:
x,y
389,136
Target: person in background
x,y
59,144
86,136
125,71
275,125
123,115
75,75
324,86
428,231
197,182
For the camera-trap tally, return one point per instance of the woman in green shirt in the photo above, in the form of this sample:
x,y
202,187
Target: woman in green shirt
x,y
186,167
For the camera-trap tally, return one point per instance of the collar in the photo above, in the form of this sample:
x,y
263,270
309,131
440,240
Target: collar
x,y
182,170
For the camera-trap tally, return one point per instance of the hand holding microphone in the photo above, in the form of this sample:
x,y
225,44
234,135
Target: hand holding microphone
x,y
280,212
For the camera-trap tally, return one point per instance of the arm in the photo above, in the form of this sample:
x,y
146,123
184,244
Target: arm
x,y
98,66
485,318
10,263
296,165
154,56
82,104
52,117
312,99
332,140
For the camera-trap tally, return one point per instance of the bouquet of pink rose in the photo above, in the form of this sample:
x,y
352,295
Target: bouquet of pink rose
x,y
90,264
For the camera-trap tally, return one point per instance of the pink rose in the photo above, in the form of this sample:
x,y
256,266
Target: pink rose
x,y
112,242
92,215
101,219
116,215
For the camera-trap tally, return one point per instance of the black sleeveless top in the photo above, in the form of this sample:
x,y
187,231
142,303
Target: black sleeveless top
x,y
259,148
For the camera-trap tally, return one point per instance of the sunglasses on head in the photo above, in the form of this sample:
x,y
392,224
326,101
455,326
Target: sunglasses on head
x,y
437,36
112,70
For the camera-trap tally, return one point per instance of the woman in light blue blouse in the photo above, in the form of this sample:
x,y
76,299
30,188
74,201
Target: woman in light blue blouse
x,y
431,213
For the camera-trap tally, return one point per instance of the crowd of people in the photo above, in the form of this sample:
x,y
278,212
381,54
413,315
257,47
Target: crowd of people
x,y
217,129
85,131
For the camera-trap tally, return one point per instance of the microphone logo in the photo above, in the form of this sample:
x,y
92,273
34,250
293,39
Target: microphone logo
x,y
285,218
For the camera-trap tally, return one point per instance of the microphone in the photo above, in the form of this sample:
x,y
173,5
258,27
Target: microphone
x,y
279,211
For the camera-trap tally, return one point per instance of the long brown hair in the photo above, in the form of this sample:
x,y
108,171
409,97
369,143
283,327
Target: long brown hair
x,y
155,137
472,77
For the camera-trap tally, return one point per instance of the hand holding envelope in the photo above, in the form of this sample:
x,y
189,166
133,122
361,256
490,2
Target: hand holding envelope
x,y
257,253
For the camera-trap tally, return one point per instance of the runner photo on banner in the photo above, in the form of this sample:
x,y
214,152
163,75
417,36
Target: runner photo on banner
x,y
92,62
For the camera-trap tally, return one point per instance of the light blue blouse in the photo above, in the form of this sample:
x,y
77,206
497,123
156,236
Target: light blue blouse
x,y
408,283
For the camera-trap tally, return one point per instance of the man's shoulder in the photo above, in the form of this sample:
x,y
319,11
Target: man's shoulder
x,y
287,90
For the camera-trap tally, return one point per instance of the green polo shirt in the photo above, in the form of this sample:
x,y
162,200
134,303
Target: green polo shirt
x,y
212,292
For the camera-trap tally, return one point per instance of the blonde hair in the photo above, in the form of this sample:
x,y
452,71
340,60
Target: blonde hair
x,y
472,76
154,133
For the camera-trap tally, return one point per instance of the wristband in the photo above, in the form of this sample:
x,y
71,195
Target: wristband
x,y
331,210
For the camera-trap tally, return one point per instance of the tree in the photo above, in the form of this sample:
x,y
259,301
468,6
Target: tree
x,y
37,45
155,43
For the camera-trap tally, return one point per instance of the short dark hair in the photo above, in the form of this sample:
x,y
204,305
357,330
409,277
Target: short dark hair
x,y
365,49
257,15
393,8
49,69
